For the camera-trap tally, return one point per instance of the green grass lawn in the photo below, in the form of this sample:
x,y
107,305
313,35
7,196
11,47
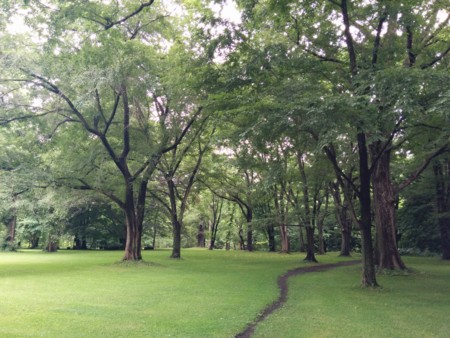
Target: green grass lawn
x,y
332,304
212,294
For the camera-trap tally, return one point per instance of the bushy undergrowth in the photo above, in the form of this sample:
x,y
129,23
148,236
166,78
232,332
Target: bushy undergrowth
x,y
8,246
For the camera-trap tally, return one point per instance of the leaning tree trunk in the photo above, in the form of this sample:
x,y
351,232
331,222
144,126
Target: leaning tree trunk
x,y
443,206
387,255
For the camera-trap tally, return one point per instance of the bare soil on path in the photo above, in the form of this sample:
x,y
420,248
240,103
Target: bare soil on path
x,y
282,298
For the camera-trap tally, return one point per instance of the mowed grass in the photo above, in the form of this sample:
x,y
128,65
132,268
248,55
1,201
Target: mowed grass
x,y
332,304
88,294
212,294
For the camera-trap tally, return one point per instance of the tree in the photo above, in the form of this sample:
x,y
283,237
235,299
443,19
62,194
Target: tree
x,y
441,170
117,89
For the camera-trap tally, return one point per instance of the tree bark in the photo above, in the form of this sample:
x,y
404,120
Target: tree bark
x,y
443,204
309,226
271,238
343,219
12,227
201,236
249,230
365,223
386,252
310,256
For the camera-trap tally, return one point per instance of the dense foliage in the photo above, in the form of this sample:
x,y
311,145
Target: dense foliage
x,y
294,125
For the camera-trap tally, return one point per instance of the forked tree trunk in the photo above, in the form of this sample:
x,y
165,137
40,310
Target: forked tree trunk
x,y
386,251
134,218
284,238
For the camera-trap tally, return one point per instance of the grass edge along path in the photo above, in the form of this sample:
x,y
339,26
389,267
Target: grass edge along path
x,y
282,284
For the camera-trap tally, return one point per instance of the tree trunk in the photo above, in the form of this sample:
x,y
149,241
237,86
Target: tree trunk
x,y
284,238
12,227
365,223
249,230
176,249
387,255
271,238
321,250
443,205
343,219
241,240
134,216
201,236
310,256
309,226
301,236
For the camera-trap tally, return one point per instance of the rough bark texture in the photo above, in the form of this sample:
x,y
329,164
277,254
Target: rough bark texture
x,y
310,256
368,274
386,251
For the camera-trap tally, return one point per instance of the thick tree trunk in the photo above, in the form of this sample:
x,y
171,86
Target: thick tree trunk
x,y
176,231
134,219
443,205
310,256
368,273
284,238
12,227
387,255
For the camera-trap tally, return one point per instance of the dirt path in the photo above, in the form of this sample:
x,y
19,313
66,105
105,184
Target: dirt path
x,y
282,284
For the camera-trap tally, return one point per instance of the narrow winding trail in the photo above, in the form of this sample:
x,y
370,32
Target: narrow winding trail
x,y
282,284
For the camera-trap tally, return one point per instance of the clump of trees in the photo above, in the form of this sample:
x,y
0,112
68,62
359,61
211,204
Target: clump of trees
x,y
300,126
